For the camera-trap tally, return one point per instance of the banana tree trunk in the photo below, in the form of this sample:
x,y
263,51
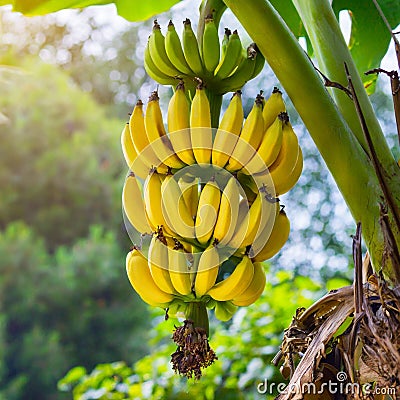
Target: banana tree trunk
x,y
330,126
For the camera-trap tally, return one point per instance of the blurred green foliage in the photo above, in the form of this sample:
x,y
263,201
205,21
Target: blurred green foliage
x,y
63,309
61,165
65,299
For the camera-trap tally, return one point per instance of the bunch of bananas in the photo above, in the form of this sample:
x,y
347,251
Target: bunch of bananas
x,y
202,192
207,199
224,67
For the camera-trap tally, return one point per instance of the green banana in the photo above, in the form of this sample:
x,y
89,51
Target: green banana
x,y
211,48
260,61
224,310
173,48
158,53
154,72
232,57
191,49
225,41
243,73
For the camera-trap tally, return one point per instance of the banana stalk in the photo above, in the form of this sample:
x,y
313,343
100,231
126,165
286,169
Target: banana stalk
x,y
215,106
216,8
347,160
197,312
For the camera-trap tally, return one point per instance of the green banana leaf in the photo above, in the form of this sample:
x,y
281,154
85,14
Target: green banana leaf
x,y
131,10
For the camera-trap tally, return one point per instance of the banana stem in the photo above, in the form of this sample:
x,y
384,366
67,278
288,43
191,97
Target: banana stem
x,y
345,158
207,7
215,107
197,312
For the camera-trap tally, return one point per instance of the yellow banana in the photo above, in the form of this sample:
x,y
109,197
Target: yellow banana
x,y
156,134
263,235
241,219
140,140
178,117
273,106
191,49
228,131
133,205
207,211
179,270
140,278
153,202
249,139
158,263
268,150
228,212
173,48
190,193
174,209
278,237
236,283
224,310
255,289
158,54
207,270
287,157
284,186
259,215
134,162
231,58
200,126
210,50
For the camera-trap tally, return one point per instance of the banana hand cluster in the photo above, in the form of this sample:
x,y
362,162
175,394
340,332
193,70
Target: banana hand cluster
x,y
263,147
171,278
224,67
208,199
